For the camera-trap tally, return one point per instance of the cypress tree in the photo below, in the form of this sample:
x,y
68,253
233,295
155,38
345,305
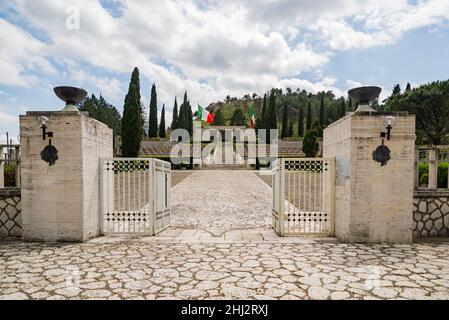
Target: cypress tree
x,y
189,118
272,114
182,116
131,123
350,105
301,122
396,90
135,80
263,124
284,132
174,123
219,118
152,122
408,88
290,130
162,124
322,111
309,117
342,112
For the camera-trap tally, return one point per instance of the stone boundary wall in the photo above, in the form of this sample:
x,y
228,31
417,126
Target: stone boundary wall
x,y
162,148
431,213
10,213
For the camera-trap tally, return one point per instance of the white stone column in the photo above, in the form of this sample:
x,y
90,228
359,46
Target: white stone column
x,y
2,173
61,202
373,203
433,168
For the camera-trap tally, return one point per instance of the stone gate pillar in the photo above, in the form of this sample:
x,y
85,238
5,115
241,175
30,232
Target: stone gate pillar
x,y
373,203
61,202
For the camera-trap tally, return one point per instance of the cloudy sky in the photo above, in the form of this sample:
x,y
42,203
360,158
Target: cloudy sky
x,y
213,48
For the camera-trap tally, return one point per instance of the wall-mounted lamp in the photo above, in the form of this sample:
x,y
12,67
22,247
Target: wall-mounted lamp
x,y
50,153
42,122
389,123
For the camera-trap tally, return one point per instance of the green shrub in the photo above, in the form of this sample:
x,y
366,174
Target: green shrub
x,y
442,174
10,175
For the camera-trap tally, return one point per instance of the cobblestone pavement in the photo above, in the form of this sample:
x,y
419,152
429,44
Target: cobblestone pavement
x,y
147,269
218,204
184,263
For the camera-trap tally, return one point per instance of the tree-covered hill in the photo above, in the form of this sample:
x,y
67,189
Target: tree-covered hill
x,y
294,100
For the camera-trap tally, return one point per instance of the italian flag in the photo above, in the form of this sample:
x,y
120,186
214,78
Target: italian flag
x,y
204,115
252,116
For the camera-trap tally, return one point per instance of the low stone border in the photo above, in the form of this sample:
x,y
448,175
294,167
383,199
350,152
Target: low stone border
x,y
431,213
10,213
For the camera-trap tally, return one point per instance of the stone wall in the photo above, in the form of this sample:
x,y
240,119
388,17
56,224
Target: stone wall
x,y
288,148
10,213
431,213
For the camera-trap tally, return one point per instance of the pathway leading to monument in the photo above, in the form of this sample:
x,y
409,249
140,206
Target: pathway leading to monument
x,y
217,205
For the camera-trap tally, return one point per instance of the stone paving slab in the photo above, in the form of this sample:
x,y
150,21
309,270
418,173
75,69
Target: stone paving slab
x,y
221,246
141,269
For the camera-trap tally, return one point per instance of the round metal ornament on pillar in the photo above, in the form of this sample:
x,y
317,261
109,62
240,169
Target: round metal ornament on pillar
x,y
382,154
71,96
50,154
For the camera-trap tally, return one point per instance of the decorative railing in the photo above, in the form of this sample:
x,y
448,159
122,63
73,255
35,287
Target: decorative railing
x,y
431,167
431,197
9,165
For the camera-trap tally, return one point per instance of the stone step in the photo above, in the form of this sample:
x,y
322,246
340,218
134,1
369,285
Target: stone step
x,y
224,167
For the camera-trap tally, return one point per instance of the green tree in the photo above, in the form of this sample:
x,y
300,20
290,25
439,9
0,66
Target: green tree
x,y
263,124
350,108
272,112
132,121
238,118
152,122
342,109
322,121
103,111
135,79
182,124
174,122
162,124
430,104
309,117
284,132
189,118
310,144
219,118
290,130
301,121
408,87
396,90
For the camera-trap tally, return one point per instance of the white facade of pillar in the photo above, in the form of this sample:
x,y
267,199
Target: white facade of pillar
x,y
373,203
61,202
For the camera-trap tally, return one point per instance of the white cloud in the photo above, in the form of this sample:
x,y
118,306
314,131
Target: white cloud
x,y
7,118
21,55
211,50
110,87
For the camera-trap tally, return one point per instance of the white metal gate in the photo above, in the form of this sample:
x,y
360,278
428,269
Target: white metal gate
x,y
135,196
303,196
